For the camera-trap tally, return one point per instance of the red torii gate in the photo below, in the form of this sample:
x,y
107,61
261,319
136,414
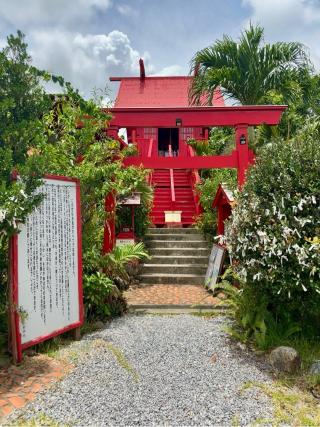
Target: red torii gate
x,y
239,117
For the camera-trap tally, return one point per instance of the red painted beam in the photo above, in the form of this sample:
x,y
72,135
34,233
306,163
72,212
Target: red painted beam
x,y
251,115
197,162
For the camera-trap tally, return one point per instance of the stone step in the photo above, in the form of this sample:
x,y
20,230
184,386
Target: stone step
x,y
174,236
180,230
177,309
174,279
199,269
179,252
159,220
180,259
174,244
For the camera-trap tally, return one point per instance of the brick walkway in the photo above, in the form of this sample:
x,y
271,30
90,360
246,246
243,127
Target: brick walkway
x,y
170,295
19,384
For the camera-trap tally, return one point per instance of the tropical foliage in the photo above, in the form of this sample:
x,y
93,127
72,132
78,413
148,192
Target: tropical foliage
x,y
64,135
247,70
221,141
22,103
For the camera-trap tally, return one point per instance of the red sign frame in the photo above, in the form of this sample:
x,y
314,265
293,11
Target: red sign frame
x,y
16,343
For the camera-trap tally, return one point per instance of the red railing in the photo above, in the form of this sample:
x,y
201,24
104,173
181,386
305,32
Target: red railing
x,y
150,149
173,194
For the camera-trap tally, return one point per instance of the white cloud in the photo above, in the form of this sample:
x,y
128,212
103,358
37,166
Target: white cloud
x,y
289,20
126,10
55,12
171,70
86,59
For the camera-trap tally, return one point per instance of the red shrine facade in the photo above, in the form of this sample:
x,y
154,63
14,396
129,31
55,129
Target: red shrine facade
x,y
159,121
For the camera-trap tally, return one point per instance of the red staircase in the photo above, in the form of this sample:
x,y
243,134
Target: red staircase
x,y
173,191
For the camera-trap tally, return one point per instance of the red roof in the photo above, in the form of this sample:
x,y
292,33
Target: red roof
x,y
157,92
223,196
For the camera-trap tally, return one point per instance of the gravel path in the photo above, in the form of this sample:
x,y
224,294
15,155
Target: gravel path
x,y
159,370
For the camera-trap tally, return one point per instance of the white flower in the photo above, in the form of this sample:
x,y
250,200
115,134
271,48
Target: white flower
x,y
23,194
3,213
300,204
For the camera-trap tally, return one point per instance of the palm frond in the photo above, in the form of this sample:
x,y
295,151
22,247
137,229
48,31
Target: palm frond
x,y
127,253
247,69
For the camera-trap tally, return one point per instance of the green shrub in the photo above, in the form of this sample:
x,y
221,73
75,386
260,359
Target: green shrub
x,y
254,318
102,298
221,141
272,234
207,189
103,291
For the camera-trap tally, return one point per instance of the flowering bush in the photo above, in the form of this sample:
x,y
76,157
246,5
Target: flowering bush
x,y
273,232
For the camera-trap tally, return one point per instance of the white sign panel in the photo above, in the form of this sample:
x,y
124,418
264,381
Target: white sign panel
x,y
134,199
123,242
215,265
48,264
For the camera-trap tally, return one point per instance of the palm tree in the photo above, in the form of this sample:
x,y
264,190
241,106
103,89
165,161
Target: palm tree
x,y
246,70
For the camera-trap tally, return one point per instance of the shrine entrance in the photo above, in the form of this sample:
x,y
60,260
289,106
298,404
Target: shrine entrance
x,y
160,120
168,137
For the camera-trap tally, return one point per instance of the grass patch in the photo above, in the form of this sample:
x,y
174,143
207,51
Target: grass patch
x,y
122,360
292,406
157,313
39,420
211,314
57,347
309,350
52,347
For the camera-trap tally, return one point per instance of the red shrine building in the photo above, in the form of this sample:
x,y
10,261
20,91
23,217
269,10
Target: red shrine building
x,y
159,121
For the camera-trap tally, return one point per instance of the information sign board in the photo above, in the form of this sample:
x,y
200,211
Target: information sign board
x,y
215,265
46,281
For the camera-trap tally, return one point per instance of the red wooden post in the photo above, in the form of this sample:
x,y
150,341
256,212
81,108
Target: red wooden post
x,y
133,136
242,151
112,132
14,334
110,225
223,202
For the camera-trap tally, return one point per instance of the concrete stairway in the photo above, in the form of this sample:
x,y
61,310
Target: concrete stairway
x,y
179,256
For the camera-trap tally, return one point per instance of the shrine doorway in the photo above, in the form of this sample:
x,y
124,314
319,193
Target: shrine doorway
x,y
167,137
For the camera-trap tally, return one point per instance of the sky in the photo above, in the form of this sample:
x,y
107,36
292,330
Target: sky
x,y
87,41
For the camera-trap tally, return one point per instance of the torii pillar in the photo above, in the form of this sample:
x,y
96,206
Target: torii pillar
x,y
242,149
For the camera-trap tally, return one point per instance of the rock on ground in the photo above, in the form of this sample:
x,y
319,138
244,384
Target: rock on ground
x,y
159,370
315,368
285,359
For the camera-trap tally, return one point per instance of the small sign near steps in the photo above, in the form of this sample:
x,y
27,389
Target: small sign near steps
x,y
215,265
172,216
